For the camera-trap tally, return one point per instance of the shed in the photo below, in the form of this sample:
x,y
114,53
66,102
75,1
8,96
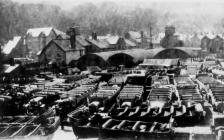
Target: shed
x,y
160,62
178,52
115,58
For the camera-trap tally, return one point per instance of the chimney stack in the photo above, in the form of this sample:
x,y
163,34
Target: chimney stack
x,y
142,35
42,41
142,39
73,32
94,35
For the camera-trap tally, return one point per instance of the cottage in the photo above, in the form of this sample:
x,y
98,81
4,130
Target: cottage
x,y
113,42
62,52
97,45
118,43
38,38
109,43
140,38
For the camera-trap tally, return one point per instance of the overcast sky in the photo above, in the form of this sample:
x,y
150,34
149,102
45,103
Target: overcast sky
x,y
67,4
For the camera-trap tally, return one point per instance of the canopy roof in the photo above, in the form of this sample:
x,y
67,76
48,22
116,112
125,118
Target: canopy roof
x,y
160,62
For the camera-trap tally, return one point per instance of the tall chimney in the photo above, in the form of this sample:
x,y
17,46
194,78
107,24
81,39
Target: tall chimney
x,y
142,39
142,35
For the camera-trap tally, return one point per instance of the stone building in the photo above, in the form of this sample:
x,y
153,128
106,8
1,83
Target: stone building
x,y
170,39
216,44
60,51
108,43
205,41
64,51
37,38
141,39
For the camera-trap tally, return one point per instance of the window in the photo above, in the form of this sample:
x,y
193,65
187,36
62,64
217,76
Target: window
x,y
58,55
81,52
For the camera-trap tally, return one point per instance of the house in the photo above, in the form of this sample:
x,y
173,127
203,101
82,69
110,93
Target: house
x,y
97,45
141,39
113,42
133,36
14,48
216,44
109,43
38,38
63,51
205,41
193,40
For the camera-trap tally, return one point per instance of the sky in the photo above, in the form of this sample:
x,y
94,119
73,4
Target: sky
x,y
68,4
202,12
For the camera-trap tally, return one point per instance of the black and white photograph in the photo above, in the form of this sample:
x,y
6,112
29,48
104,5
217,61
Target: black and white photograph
x,y
111,70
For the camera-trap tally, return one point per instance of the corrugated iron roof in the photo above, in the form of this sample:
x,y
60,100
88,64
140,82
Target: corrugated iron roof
x,y
191,51
141,54
11,45
136,54
160,62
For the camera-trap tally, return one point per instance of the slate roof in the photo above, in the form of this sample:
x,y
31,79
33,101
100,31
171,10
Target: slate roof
x,y
112,39
135,36
81,39
129,43
9,69
11,45
35,32
64,44
99,43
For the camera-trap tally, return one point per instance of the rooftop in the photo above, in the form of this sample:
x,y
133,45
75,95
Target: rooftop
x,y
11,45
35,32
